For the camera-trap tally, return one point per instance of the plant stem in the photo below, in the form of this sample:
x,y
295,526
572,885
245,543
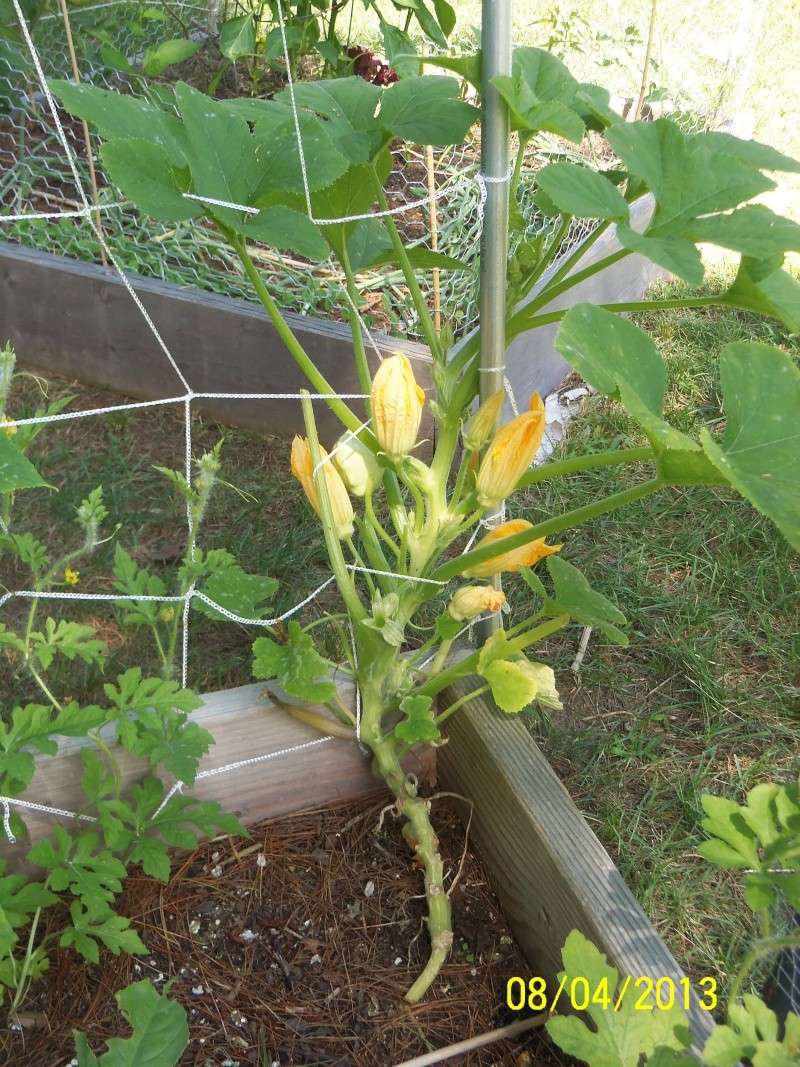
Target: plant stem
x,y
519,325
593,461
767,947
362,367
422,838
468,664
343,577
549,526
372,519
347,417
21,987
445,715
421,307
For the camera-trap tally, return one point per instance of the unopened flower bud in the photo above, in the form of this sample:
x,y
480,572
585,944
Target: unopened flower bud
x,y
480,426
303,469
397,403
472,600
525,556
510,454
357,465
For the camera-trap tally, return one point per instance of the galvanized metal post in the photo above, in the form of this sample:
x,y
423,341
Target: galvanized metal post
x,y
495,169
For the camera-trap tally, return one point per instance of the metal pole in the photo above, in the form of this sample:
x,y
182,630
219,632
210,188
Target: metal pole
x,y
495,163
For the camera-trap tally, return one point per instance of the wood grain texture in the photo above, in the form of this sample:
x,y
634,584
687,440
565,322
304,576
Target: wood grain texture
x,y
244,723
77,320
550,872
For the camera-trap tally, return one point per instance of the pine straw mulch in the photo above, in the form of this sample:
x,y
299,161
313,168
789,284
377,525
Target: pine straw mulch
x,y
295,947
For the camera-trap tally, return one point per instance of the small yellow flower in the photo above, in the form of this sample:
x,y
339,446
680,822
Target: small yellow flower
x,y
167,613
357,465
397,403
472,600
526,556
71,577
9,431
303,470
480,426
510,454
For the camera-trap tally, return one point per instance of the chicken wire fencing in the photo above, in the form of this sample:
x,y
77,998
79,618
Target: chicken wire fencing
x,y
439,188
45,171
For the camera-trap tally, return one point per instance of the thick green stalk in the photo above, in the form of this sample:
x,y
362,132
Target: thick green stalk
x,y
347,417
550,526
593,461
520,325
421,307
550,292
362,366
577,254
422,838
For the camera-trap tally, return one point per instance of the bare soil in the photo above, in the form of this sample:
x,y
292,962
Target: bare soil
x,y
296,947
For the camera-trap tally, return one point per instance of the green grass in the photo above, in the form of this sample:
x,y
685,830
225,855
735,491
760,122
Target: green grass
x,y
707,696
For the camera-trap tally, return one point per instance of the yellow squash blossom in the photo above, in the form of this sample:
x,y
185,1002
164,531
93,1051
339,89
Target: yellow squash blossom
x,y
480,427
472,600
357,465
397,403
303,470
526,556
510,454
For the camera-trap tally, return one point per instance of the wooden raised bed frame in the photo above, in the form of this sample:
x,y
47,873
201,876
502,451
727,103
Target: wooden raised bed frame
x,y
549,871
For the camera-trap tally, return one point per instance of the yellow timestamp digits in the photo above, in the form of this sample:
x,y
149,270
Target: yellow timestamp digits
x,y
579,993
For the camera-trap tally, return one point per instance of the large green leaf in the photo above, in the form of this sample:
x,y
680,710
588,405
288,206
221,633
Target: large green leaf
x,y
582,192
621,360
286,229
687,175
428,110
369,245
279,156
672,252
401,52
16,471
758,453
221,151
156,60
753,230
622,1034
160,1032
237,37
763,287
349,105
760,155
606,349
119,115
541,95
144,172
246,595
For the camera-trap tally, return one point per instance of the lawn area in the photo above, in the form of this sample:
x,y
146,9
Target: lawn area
x,y
706,698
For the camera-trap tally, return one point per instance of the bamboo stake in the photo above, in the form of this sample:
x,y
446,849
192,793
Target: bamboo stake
x,y
434,225
86,135
651,29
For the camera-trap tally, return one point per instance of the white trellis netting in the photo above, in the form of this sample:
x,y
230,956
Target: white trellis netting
x,y
44,201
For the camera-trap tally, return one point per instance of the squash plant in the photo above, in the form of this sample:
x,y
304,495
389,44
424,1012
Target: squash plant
x,y
235,165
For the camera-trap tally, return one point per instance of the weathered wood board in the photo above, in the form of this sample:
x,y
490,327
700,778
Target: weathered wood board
x,y
77,320
244,724
550,872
